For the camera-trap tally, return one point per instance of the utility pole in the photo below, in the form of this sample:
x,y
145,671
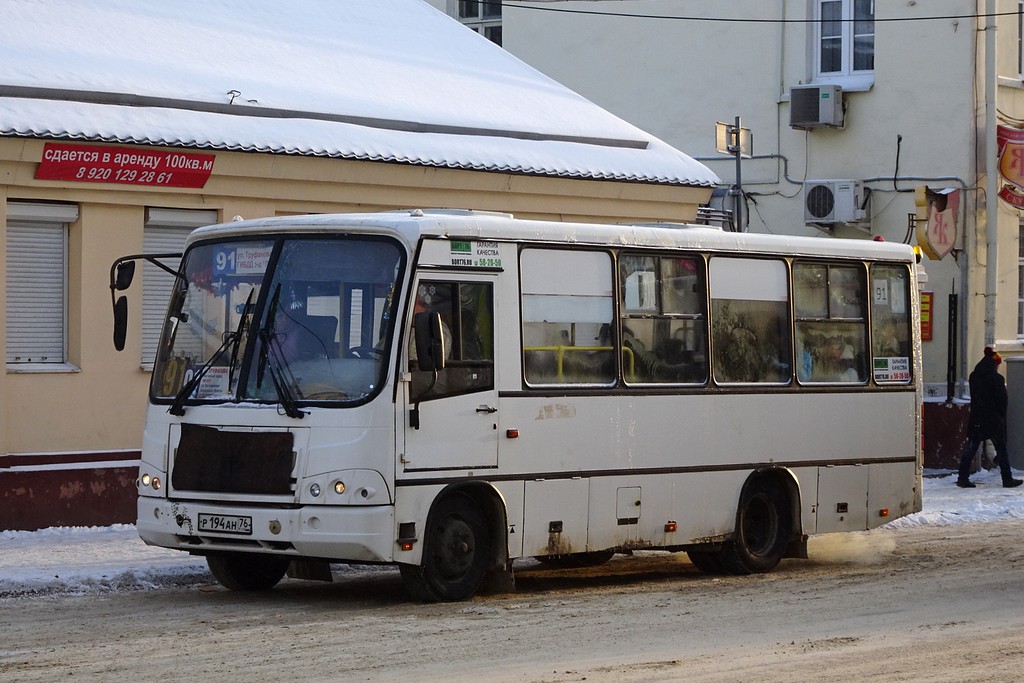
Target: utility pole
x,y
736,140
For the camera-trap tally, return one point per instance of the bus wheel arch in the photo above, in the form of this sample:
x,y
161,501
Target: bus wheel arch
x,y
767,523
463,544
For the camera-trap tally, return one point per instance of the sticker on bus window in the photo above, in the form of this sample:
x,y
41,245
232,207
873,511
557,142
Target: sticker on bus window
x,y
242,260
213,384
892,369
475,254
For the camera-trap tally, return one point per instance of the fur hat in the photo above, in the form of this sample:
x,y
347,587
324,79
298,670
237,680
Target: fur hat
x,y
994,355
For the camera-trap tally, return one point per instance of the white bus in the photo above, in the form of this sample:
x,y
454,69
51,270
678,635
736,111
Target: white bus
x,y
452,390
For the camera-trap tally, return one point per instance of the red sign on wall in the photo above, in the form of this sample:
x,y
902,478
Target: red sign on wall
x,y
126,165
926,316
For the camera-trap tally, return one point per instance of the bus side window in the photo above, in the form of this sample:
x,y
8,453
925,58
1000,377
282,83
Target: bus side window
x,y
890,324
664,337
750,320
568,323
467,321
831,323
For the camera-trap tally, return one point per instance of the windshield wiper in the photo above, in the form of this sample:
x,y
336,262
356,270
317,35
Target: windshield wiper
x,y
272,359
231,338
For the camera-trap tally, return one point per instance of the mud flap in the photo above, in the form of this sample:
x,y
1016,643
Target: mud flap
x,y
797,548
498,581
310,570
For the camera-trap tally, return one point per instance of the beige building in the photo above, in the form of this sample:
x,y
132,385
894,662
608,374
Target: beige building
x,y
853,105
124,148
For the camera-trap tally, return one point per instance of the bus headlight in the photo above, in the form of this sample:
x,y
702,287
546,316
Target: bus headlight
x,y
145,479
339,487
314,490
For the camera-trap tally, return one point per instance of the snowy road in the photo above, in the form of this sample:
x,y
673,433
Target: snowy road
x,y
935,597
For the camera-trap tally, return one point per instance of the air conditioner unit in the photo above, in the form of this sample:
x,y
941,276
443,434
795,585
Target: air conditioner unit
x,y
834,201
815,105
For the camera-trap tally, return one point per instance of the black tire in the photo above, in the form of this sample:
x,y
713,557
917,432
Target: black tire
x,y
576,560
763,530
455,553
247,572
708,561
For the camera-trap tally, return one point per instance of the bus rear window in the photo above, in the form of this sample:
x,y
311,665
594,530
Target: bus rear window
x,y
890,324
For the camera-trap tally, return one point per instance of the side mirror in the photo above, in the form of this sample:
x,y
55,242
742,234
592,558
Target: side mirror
x,y
120,322
430,342
123,274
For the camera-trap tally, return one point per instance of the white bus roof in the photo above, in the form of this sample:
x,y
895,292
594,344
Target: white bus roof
x,y
414,224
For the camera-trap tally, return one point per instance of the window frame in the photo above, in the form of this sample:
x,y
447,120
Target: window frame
x,y
689,369
464,372
55,218
591,294
844,327
489,26
850,78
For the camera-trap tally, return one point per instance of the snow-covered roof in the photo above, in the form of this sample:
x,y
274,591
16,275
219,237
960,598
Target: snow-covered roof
x,y
379,80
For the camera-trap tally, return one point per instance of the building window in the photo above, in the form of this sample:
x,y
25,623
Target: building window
x,y
845,37
164,233
36,282
1020,39
483,16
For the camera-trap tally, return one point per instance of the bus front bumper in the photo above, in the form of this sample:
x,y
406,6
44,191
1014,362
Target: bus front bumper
x,y
340,534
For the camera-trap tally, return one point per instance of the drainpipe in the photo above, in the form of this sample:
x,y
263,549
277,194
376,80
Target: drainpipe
x,y
991,176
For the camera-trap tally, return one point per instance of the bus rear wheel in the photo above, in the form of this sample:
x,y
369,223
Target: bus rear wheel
x,y
247,572
455,554
763,530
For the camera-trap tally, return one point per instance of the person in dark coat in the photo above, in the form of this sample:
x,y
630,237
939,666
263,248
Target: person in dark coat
x,y
988,419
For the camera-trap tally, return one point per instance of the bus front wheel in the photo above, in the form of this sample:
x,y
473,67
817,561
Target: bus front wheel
x,y
247,572
455,555
763,530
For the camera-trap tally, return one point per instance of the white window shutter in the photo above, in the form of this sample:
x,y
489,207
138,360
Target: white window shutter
x,y
36,291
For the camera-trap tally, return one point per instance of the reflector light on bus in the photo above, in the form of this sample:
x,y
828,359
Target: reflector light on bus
x,y
670,527
884,512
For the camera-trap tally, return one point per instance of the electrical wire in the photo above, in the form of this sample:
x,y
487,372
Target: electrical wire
x,y
738,20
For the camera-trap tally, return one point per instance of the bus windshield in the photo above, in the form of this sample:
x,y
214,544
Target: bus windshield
x,y
290,321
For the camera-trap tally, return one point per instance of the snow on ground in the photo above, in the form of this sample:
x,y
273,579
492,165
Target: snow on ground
x,y
80,560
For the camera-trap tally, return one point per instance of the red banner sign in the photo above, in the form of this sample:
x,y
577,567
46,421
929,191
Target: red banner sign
x,y
126,165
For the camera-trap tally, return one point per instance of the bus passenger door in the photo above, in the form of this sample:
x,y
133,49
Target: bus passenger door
x,y
451,421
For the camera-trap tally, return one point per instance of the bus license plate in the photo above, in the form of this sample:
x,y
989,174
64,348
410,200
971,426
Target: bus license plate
x,y
226,524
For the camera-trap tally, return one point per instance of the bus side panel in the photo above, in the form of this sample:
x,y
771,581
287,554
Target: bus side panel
x,y
842,498
555,516
807,481
513,494
888,491
695,502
